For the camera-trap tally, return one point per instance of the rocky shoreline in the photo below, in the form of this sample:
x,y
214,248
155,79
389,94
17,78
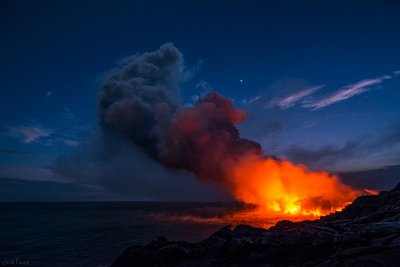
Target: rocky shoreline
x,y
365,233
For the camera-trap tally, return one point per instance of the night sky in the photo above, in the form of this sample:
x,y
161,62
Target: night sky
x,y
320,81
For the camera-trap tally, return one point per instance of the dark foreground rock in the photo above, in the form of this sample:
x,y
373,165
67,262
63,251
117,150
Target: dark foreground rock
x,y
365,233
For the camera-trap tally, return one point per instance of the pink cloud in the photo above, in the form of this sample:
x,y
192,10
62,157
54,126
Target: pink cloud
x,y
29,134
292,99
346,92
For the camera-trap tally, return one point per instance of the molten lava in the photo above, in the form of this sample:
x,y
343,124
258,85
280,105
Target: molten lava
x,y
279,188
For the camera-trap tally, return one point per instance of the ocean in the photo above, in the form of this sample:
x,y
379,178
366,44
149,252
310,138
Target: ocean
x,y
58,234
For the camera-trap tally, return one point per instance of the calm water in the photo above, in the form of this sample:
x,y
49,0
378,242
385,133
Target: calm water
x,y
94,234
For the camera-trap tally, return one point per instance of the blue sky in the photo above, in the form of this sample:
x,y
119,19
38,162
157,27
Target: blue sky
x,y
319,79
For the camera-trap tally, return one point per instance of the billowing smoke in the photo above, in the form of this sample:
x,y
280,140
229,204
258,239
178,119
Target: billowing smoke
x,y
141,102
204,139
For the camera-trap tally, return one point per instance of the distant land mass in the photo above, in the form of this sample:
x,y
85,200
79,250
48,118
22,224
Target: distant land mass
x,y
378,179
18,190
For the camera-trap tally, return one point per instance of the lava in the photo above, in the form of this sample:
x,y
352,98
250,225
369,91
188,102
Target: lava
x,y
279,188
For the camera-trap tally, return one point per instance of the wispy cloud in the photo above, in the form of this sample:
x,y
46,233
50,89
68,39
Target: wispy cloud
x,y
204,85
29,134
346,92
66,115
192,71
292,99
386,144
71,143
251,100
309,125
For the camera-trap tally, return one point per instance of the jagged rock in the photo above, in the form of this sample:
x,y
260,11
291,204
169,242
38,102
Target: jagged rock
x,y
365,233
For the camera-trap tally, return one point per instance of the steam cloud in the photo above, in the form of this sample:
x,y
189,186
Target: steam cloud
x,y
139,100
141,103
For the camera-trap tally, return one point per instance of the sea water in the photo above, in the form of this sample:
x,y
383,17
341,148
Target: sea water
x,y
96,233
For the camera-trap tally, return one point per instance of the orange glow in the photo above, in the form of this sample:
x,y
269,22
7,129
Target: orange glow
x,y
371,191
285,190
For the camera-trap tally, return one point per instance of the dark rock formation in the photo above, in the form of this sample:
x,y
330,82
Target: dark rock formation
x,y
365,233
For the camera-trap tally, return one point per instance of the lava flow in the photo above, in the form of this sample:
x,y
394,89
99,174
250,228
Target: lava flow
x,y
279,188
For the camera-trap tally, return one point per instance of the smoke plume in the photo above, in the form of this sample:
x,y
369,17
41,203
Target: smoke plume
x,y
139,100
140,103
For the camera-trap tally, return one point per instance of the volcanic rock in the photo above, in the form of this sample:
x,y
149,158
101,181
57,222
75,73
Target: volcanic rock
x,y
365,233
